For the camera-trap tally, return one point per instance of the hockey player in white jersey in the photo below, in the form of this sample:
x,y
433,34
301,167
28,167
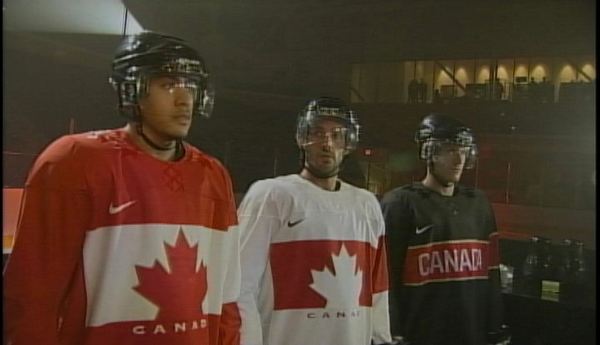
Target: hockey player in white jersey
x,y
313,256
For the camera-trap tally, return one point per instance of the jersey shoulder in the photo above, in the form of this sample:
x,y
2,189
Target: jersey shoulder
x,y
470,192
64,160
405,193
269,197
197,156
81,147
276,187
361,196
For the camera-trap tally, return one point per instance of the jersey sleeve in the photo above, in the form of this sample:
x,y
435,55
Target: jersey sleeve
x,y
258,216
399,221
55,212
230,325
495,318
381,317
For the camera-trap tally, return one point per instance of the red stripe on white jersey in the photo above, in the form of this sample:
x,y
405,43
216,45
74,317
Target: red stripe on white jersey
x,y
294,272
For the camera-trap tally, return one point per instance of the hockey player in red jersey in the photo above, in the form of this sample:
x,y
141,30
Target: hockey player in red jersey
x,y
129,235
313,260
443,247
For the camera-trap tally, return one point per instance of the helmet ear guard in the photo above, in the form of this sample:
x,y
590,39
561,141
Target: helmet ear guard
x,y
471,157
206,101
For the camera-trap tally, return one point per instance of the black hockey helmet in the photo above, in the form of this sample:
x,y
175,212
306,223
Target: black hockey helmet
x,y
328,108
142,56
436,129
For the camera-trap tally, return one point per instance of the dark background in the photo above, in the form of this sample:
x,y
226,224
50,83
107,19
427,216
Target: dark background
x,y
267,58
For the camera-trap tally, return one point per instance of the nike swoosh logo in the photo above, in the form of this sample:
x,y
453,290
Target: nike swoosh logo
x,y
290,224
116,209
423,229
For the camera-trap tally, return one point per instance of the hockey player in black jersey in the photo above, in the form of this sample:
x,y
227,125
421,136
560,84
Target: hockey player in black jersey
x,y
443,247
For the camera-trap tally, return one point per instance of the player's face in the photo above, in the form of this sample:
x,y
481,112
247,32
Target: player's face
x,y
326,147
448,162
167,107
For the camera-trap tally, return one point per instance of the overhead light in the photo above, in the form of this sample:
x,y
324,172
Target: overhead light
x,y
69,16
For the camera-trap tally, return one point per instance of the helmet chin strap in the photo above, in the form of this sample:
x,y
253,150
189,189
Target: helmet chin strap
x,y
179,150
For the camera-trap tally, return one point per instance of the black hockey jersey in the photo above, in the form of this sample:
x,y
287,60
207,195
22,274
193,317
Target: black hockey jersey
x,y
443,261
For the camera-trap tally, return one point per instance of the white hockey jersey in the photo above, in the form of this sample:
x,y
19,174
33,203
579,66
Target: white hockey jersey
x,y
313,265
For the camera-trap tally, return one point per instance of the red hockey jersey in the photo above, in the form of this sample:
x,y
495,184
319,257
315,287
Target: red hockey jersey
x,y
115,246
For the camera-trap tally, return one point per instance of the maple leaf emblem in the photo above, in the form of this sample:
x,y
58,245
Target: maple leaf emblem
x,y
342,289
180,292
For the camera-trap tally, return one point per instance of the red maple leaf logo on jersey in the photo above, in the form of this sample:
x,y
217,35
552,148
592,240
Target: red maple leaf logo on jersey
x,y
180,292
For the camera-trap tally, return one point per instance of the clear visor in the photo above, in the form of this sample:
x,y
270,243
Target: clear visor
x,y
171,82
202,92
337,136
466,149
450,147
